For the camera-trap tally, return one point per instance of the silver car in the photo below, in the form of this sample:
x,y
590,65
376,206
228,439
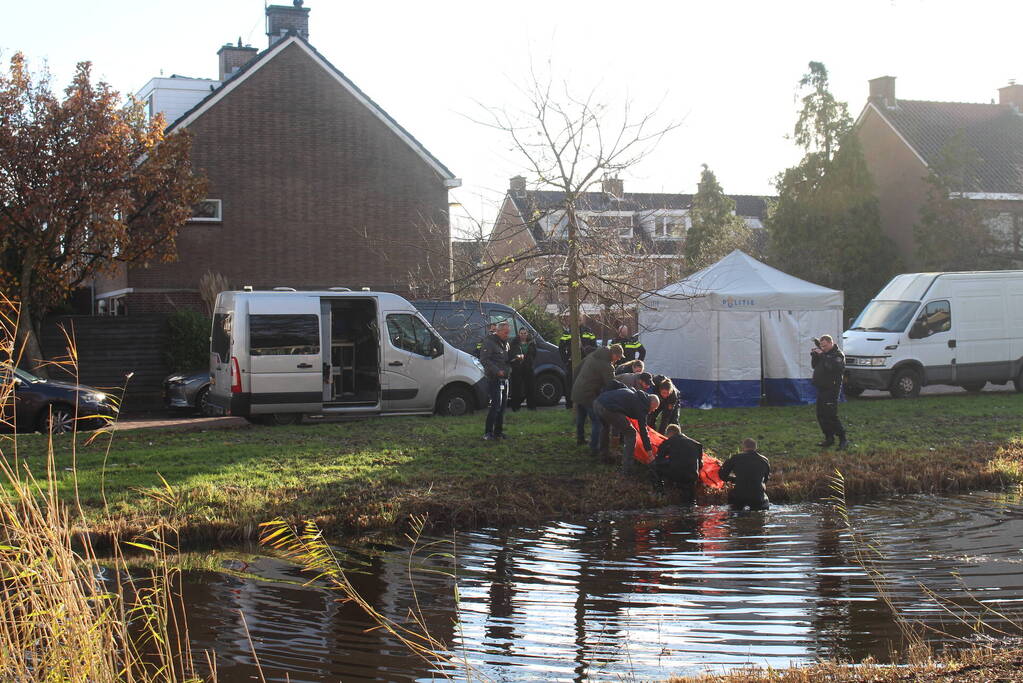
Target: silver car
x,y
188,391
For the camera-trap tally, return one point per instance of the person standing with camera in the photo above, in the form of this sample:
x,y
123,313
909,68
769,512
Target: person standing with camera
x,y
828,363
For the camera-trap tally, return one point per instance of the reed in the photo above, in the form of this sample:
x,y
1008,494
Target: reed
x,y
65,613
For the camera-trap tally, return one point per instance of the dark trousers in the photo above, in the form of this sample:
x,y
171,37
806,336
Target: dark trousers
x,y
620,423
498,389
738,503
568,385
686,487
582,412
827,417
522,381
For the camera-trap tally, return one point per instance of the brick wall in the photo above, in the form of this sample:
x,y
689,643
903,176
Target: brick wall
x,y
316,191
899,179
147,303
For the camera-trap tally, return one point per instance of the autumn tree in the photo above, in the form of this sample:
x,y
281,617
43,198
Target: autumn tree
x,y
716,231
826,226
86,184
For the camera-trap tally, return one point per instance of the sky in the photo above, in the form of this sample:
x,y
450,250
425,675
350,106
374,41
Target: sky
x,y
726,70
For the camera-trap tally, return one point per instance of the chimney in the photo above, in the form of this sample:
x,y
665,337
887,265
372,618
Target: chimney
x,y
1012,95
613,186
234,57
882,91
282,20
517,186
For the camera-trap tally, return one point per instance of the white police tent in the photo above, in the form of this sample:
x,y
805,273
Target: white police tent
x,y
737,330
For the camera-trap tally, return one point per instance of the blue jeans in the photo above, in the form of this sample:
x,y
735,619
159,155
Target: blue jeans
x,y
497,388
583,411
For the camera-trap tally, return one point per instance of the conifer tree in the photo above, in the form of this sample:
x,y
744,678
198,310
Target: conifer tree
x,y
716,231
825,226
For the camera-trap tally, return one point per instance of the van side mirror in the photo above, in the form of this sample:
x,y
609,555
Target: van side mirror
x,y
918,331
438,348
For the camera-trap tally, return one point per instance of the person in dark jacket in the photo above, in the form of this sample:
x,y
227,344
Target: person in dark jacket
x,y
679,460
828,363
749,472
494,357
594,374
479,345
634,349
521,355
629,366
671,403
614,408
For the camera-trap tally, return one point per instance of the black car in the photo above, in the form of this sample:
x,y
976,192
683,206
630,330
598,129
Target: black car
x,y
45,405
463,324
188,391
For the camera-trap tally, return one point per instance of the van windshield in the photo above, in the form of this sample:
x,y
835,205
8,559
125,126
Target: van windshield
x,y
886,316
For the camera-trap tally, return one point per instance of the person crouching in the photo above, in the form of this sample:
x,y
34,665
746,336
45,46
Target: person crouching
x,y
749,471
679,460
614,408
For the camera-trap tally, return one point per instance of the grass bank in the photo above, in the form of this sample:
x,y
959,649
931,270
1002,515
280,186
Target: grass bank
x,y
980,665
376,473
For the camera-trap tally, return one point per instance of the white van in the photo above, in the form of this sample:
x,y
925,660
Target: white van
x,y
278,355
963,329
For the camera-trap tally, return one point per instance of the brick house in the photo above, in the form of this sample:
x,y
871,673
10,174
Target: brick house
x,y
903,139
647,231
311,183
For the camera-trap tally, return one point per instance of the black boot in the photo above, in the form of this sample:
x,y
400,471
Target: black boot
x,y
828,442
843,443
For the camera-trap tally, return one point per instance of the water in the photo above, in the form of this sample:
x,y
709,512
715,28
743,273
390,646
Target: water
x,y
642,595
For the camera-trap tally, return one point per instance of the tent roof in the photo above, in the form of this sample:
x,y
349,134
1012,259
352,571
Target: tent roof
x,y
739,281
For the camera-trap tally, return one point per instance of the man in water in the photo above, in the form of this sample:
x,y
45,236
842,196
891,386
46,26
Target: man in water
x,y
749,472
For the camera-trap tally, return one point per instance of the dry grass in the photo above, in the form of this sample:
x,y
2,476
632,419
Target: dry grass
x,y
59,619
974,665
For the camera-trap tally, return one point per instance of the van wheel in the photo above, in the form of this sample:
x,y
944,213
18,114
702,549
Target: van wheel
x,y
905,384
973,387
455,401
549,389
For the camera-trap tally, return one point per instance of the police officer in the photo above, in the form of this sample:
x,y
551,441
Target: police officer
x,y
634,349
828,363
588,342
479,345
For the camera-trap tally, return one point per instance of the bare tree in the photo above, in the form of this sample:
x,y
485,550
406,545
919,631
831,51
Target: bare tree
x,y
577,243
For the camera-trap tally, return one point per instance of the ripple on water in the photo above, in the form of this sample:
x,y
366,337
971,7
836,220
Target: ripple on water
x,y
646,595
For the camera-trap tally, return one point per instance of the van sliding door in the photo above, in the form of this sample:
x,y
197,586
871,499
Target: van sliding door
x,y
286,363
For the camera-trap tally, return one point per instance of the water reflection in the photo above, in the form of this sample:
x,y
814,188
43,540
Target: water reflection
x,y
647,595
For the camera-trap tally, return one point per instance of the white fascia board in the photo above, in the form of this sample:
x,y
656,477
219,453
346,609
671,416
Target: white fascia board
x,y
870,105
988,196
115,292
452,183
362,99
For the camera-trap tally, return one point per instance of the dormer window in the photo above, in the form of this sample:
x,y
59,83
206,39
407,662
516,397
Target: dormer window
x,y
669,227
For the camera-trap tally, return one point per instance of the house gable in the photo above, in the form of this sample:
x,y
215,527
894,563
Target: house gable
x,y
264,58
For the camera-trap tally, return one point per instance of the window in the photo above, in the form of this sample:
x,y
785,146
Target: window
x,y
603,223
669,226
284,335
220,339
936,317
409,333
207,211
